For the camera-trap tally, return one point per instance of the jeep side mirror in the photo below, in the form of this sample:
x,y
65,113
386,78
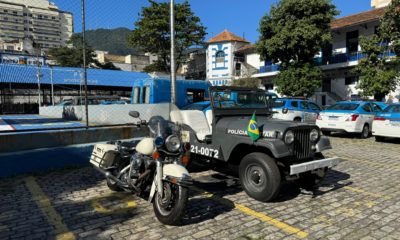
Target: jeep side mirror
x,y
134,114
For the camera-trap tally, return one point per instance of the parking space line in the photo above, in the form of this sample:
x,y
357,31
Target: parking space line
x,y
44,204
98,207
395,167
281,225
358,190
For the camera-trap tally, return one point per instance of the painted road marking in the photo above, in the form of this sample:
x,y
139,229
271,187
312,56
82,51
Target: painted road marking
x,y
44,204
359,190
98,207
281,225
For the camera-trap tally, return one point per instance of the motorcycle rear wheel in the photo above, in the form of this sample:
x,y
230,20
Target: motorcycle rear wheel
x,y
170,208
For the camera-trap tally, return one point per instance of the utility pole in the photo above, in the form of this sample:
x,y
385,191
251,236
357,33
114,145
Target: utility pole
x,y
52,85
38,75
84,63
173,76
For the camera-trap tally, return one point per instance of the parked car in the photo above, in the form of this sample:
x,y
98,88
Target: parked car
x,y
387,123
295,109
348,116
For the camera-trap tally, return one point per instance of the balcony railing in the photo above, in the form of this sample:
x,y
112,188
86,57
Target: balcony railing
x,y
323,61
346,57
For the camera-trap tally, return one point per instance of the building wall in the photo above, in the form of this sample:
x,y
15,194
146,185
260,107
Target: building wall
x,y
37,19
339,37
221,73
379,3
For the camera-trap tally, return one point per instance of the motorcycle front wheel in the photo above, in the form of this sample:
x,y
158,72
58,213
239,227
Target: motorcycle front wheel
x,y
170,208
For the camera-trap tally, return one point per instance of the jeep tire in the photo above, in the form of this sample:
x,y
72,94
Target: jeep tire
x,y
259,176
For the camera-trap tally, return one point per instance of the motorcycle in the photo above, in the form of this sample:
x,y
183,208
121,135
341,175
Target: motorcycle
x,y
153,167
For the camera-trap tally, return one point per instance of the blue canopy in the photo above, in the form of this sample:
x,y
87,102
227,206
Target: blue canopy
x,y
14,73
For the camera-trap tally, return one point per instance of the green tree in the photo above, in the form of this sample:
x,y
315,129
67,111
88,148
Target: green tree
x,y
152,33
291,35
378,70
72,56
247,82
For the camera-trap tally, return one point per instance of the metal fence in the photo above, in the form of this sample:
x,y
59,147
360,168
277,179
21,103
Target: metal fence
x,y
38,93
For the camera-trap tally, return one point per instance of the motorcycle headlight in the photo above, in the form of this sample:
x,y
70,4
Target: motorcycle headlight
x,y
314,135
289,137
159,141
173,143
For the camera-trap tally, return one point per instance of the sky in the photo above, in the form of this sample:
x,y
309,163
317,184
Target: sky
x,y
239,16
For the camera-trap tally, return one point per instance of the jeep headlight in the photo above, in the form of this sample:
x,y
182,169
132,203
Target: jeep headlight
x,y
314,135
172,143
289,137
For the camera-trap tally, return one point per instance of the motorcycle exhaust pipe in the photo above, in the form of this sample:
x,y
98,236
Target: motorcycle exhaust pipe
x,y
110,176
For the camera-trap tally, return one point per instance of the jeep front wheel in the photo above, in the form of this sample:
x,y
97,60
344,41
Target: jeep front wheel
x,y
259,176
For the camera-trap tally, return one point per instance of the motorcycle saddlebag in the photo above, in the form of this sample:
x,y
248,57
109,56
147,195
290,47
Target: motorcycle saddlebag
x,y
104,155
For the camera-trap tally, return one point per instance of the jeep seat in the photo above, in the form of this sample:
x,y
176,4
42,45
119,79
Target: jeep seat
x,y
195,119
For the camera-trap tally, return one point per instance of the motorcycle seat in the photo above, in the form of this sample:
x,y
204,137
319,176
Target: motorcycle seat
x,y
129,146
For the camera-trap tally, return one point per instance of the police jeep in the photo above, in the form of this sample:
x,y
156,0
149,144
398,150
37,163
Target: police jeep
x,y
285,150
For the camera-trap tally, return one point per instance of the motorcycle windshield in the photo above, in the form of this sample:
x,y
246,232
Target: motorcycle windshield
x,y
163,126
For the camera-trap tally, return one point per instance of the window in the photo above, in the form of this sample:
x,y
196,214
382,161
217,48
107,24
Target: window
x,y
352,41
304,104
146,95
344,106
25,14
220,57
278,103
350,80
367,107
6,11
392,109
195,95
313,106
376,107
136,94
295,104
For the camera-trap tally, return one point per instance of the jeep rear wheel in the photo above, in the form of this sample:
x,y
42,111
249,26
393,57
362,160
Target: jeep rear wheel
x,y
259,176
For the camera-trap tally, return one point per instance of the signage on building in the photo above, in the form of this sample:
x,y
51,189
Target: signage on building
x,y
21,59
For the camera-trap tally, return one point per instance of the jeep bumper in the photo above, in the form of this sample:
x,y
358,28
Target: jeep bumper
x,y
313,165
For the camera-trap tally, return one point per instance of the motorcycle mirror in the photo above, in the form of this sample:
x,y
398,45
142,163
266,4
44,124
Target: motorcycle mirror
x,y
134,114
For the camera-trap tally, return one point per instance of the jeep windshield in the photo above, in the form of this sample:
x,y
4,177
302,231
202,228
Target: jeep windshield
x,y
239,100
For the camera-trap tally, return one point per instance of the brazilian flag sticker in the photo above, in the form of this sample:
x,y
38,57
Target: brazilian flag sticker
x,y
252,128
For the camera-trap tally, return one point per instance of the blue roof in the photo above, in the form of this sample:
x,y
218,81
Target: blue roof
x,y
13,73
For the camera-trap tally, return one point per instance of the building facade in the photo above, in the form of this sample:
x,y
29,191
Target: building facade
x,y
337,60
37,21
220,57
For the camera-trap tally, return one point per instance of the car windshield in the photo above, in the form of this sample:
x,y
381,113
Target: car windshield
x,y
278,103
392,109
239,99
344,106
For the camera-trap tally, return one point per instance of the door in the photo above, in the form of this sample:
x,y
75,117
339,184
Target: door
x,y
307,114
315,109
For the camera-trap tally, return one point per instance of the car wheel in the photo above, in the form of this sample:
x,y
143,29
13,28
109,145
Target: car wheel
x,y
297,119
379,139
365,131
326,133
259,176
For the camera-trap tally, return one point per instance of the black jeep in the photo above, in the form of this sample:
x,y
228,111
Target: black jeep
x,y
285,150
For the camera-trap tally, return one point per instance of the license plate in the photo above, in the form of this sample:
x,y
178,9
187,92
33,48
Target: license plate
x,y
334,118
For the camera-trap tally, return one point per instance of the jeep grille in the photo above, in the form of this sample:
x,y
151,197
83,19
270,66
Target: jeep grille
x,y
302,143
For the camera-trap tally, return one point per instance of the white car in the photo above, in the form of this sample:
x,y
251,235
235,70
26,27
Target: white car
x,y
294,109
387,123
350,117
